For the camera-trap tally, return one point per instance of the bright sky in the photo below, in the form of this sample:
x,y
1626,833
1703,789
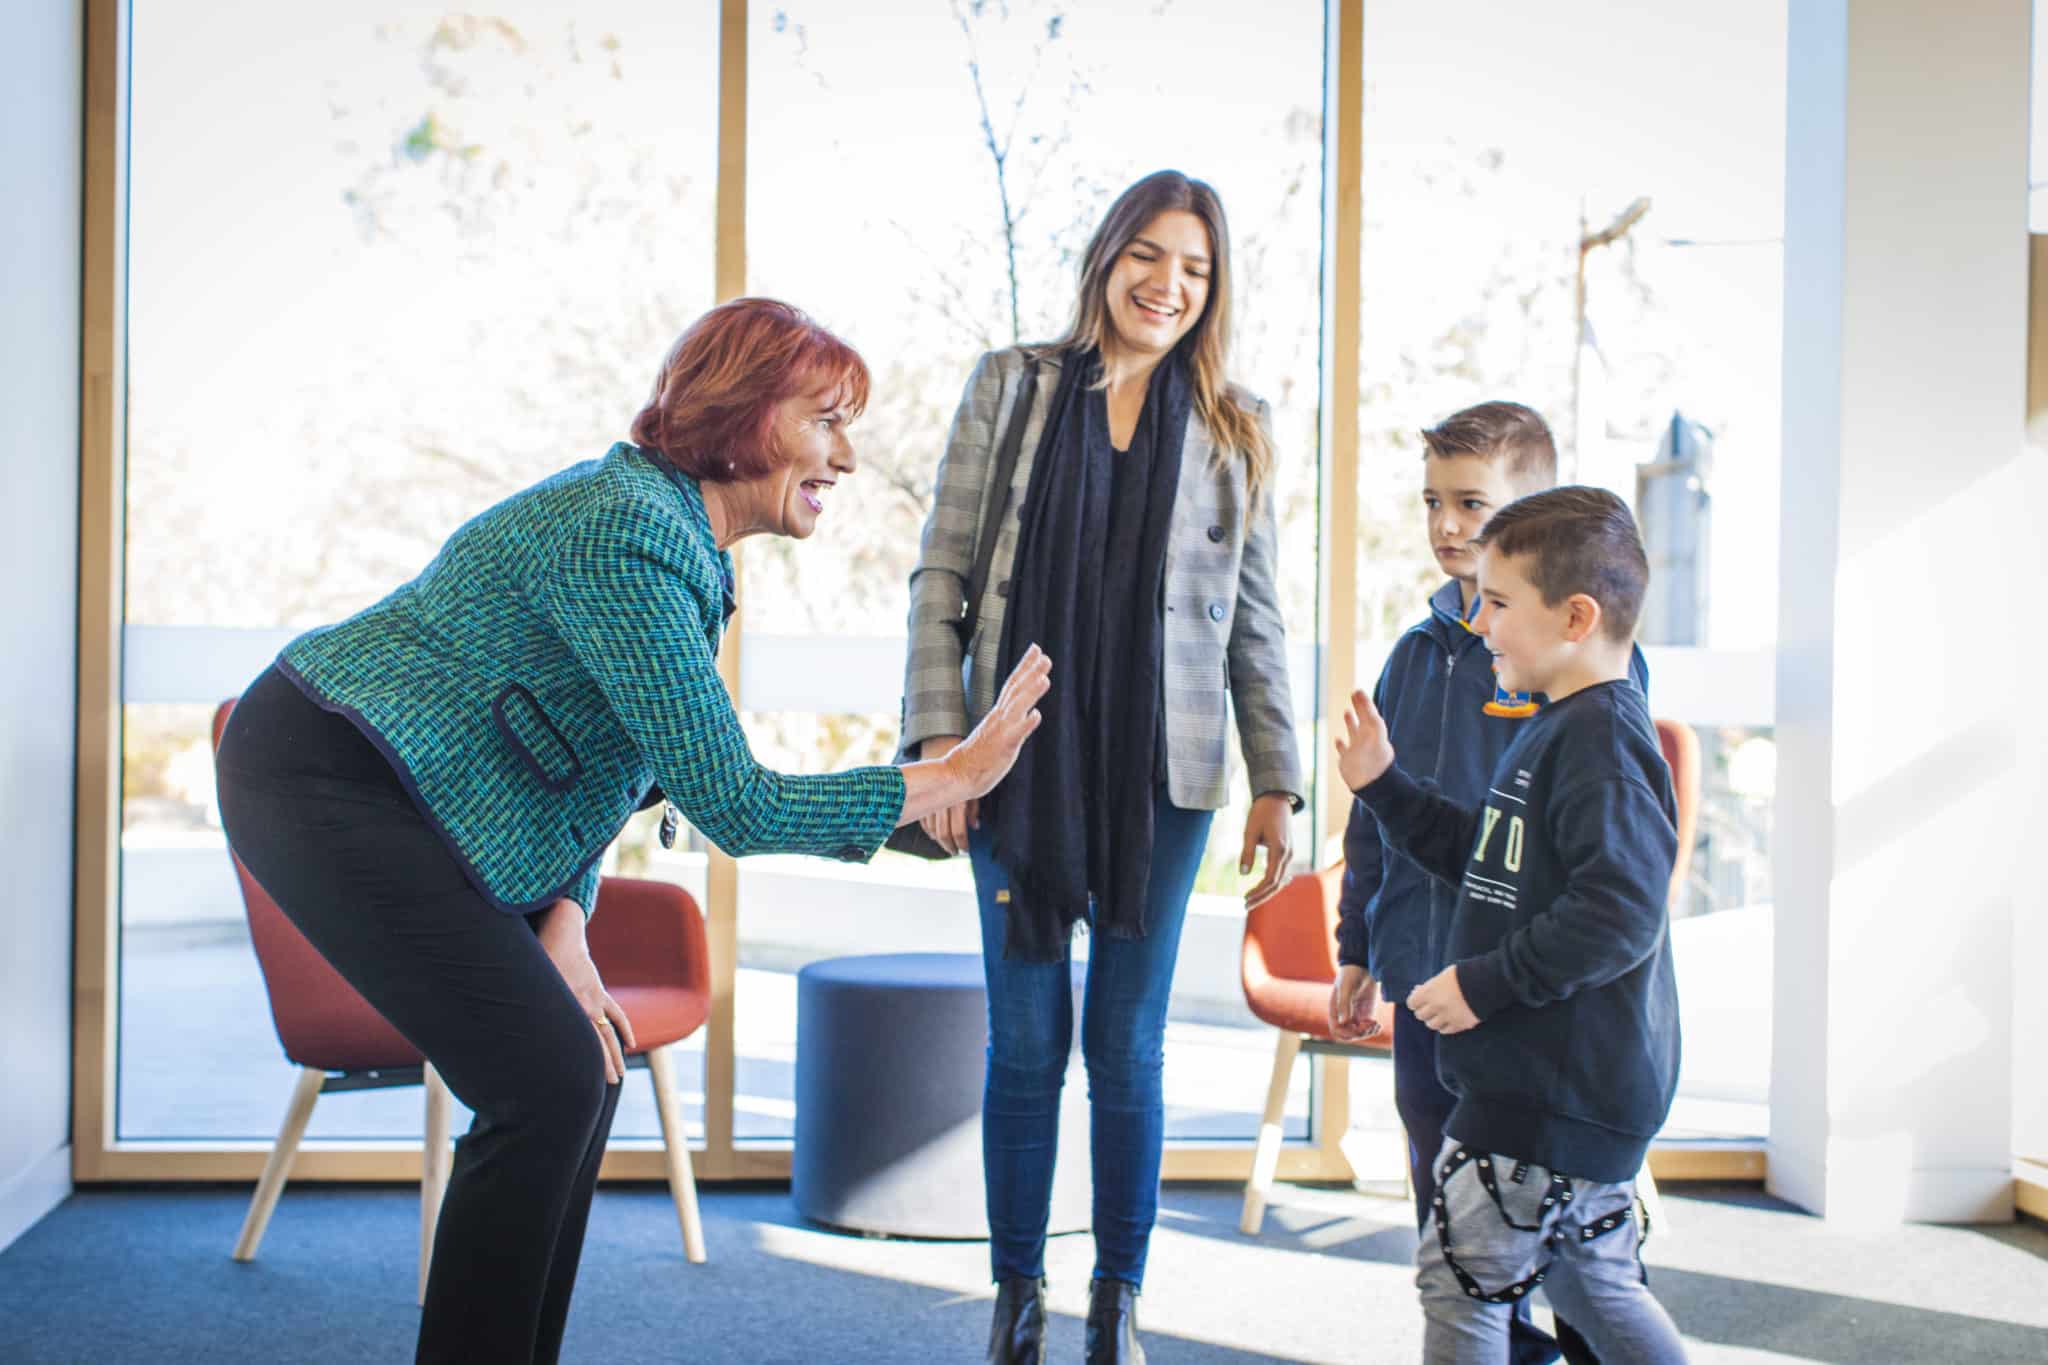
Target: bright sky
x,y
254,297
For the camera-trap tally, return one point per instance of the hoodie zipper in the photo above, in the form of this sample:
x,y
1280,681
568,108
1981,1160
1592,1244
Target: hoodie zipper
x,y
1443,724
1443,733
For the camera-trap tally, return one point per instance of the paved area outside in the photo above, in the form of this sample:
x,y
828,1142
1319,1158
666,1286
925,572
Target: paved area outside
x,y
200,1059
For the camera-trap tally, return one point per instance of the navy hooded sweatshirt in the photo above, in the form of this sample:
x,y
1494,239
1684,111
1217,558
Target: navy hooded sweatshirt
x,y
1560,935
1391,915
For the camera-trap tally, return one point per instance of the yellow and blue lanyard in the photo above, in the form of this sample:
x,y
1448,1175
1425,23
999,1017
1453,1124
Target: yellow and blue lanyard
x,y
1512,705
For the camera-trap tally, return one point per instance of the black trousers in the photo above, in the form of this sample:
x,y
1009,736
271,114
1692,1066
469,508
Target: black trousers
x,y
322,822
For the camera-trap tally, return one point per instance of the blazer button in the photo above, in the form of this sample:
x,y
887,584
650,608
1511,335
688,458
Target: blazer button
x,y
1216,611
1216,535
1003,588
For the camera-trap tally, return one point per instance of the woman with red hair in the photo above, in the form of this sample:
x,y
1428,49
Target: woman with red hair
x,y
426,788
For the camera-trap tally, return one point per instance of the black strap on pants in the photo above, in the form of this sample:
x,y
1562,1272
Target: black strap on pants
x,y
1559,1197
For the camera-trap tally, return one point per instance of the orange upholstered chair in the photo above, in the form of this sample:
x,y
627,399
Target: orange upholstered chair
x,y
1682,755
648,944
338,1042
1288,965
647,939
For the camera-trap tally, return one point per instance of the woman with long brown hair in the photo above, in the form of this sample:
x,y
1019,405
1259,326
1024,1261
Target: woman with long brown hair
x,y
1134,542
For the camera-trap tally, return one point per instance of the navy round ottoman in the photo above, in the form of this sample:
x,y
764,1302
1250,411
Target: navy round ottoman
x,y
890,1056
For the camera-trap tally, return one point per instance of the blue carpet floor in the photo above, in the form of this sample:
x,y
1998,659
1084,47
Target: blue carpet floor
x,y
143,1275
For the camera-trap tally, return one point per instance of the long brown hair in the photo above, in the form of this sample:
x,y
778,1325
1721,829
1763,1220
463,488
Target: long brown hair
x,y
1234,428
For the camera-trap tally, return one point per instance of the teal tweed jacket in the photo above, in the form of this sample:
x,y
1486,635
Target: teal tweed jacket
x,y
552,666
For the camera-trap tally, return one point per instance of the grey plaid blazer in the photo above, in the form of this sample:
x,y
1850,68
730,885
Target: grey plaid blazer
x,y
1224,636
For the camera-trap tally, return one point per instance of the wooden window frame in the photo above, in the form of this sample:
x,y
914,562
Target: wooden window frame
x,y
99,1155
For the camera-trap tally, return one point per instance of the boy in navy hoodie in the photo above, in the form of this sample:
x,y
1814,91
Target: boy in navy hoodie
x,y
1558,1013
1451,722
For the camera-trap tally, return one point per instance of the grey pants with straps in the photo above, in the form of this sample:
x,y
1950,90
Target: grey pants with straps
x,y
1501,1228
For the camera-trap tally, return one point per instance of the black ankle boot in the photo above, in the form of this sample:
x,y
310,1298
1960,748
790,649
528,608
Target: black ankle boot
x,y
1017,1334
1113,1324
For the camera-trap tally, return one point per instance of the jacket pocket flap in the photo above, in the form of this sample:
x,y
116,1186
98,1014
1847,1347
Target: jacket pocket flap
x,y
543,748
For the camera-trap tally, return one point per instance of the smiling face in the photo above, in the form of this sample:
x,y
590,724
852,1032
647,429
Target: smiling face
x,y
810,433
1531,642
1159,285
1460,493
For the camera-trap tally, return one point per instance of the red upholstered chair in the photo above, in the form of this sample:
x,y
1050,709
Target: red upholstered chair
x,y
647,939
1288,965
338,1042
648,945
1682,755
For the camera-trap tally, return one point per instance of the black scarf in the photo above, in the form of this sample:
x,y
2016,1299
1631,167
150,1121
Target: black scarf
x,y
1074,817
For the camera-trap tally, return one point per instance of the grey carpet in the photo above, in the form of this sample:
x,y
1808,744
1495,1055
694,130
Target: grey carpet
x,y
143,1275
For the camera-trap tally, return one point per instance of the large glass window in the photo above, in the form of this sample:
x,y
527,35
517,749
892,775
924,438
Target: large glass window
x,y
924,179
446,255
386,267
1579,207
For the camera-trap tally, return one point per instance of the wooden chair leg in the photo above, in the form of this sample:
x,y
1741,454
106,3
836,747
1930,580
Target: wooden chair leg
x,y
675,1141
296,1114
1266,1160
435,1160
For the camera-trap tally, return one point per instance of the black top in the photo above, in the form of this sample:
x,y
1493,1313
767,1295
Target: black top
x,y
1125,478
1560,936
1072,824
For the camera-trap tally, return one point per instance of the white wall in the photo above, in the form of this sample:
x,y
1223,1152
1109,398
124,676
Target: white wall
x,y
1908,665
42,98
2030,926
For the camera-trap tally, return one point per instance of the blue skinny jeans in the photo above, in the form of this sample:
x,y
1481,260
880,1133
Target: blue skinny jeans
x,y
1123,1042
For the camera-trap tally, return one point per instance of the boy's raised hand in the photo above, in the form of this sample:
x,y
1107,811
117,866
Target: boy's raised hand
x,y
1363,749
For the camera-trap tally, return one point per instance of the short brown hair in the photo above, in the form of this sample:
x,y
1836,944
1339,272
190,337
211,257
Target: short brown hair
x,y
712,413
1509,432
1580,540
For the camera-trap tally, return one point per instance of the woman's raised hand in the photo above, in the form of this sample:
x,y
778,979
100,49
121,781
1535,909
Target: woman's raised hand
x,y
943,791
984,758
